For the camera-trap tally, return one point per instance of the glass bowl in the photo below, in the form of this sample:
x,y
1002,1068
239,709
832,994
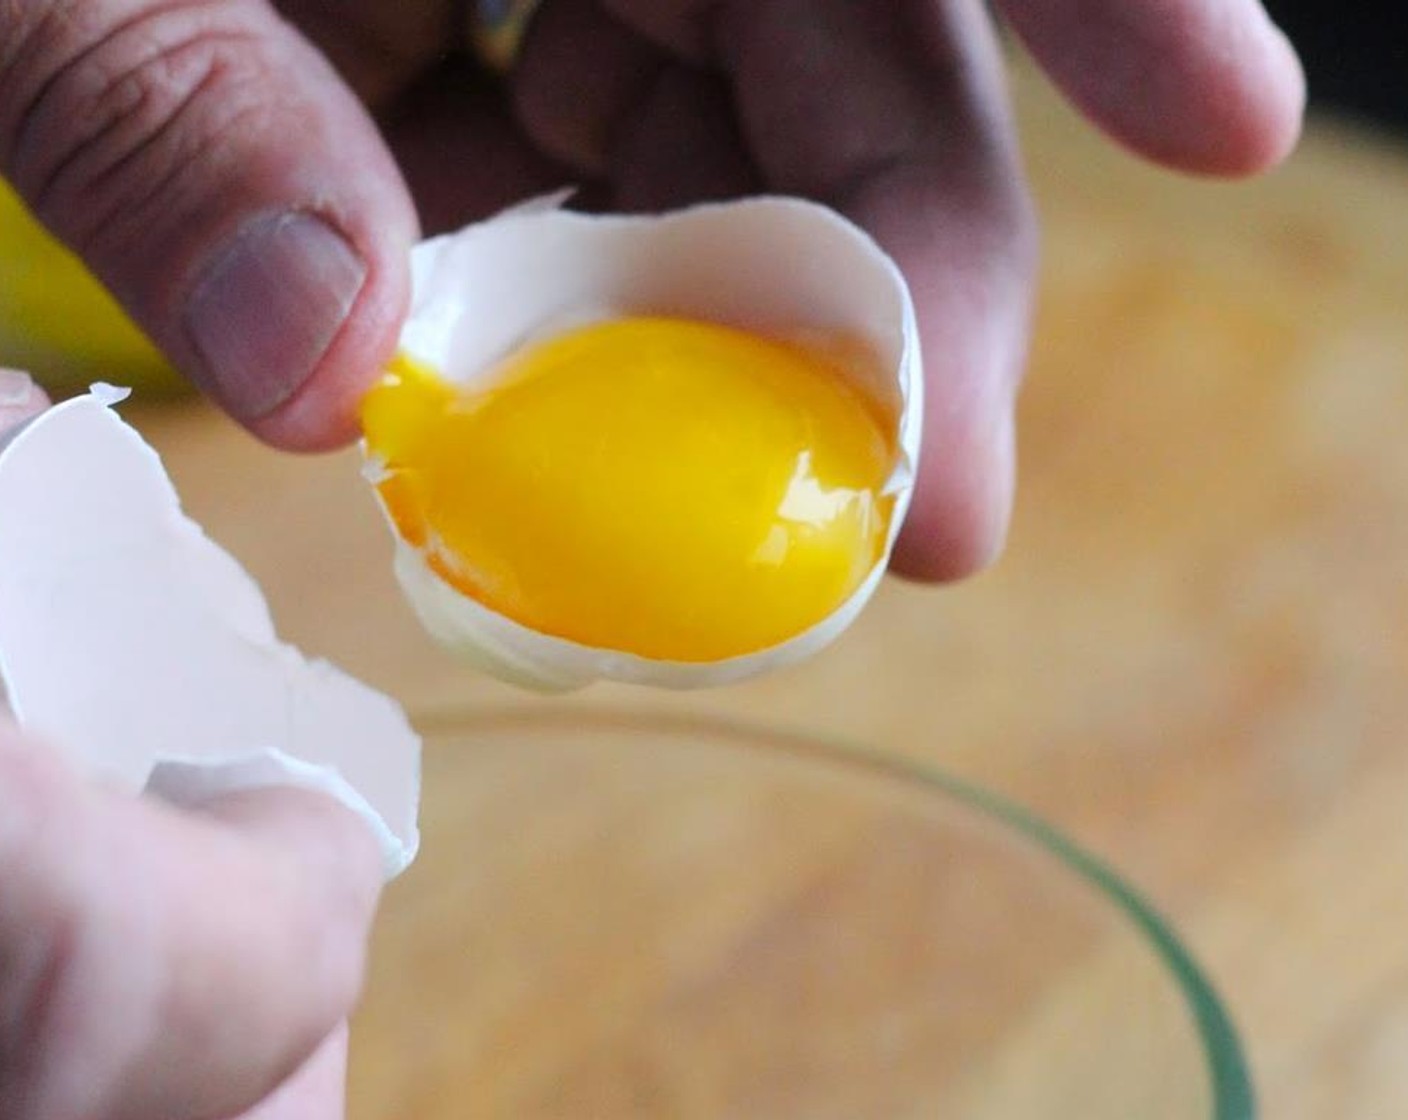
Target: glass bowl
x,y
624,915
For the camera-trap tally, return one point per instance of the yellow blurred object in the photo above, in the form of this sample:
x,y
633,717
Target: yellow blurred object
x,y
59,323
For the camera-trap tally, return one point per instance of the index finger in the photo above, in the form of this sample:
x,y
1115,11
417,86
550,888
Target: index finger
x,y
1208,86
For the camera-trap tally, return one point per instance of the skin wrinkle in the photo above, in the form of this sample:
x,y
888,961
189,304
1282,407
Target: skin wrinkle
x,y
149,100
90,181
24,52
65,61
116,199
177,70
195,150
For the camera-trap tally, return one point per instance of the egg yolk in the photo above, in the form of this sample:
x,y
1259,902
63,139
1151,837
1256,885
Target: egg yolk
x,y
668,488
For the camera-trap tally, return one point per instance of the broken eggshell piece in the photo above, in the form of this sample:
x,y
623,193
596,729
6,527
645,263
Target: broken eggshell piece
x,y
144,652
778,267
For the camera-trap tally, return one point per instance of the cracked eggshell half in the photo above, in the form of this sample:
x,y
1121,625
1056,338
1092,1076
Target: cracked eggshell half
x,y
146,654
777,266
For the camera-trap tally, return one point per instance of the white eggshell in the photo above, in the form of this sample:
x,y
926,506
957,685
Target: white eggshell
x,y
143,651
774,265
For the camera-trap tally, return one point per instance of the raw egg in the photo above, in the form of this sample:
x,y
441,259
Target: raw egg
x,y
673,450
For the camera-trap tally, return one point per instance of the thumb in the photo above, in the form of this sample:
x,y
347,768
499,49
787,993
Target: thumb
x,y
213,171
165,965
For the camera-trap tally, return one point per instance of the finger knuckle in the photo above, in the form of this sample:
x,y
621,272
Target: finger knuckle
x,y
343,906
107,117
1018,220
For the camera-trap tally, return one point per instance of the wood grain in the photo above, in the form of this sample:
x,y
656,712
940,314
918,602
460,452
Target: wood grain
x,y
1192,657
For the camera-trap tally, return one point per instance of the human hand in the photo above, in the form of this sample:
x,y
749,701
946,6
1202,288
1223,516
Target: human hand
x,y
240,201
157,964
160,965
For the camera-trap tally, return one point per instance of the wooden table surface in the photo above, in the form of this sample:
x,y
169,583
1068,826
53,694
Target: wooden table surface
x,y
1194,655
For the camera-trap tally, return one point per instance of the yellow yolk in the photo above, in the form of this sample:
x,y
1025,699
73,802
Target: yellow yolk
x,y
672,489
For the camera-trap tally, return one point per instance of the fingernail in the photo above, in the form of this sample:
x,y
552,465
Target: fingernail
x,y
268,308
16,387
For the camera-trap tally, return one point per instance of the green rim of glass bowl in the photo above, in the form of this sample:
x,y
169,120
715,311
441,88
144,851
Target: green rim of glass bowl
x,y
1233,1096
